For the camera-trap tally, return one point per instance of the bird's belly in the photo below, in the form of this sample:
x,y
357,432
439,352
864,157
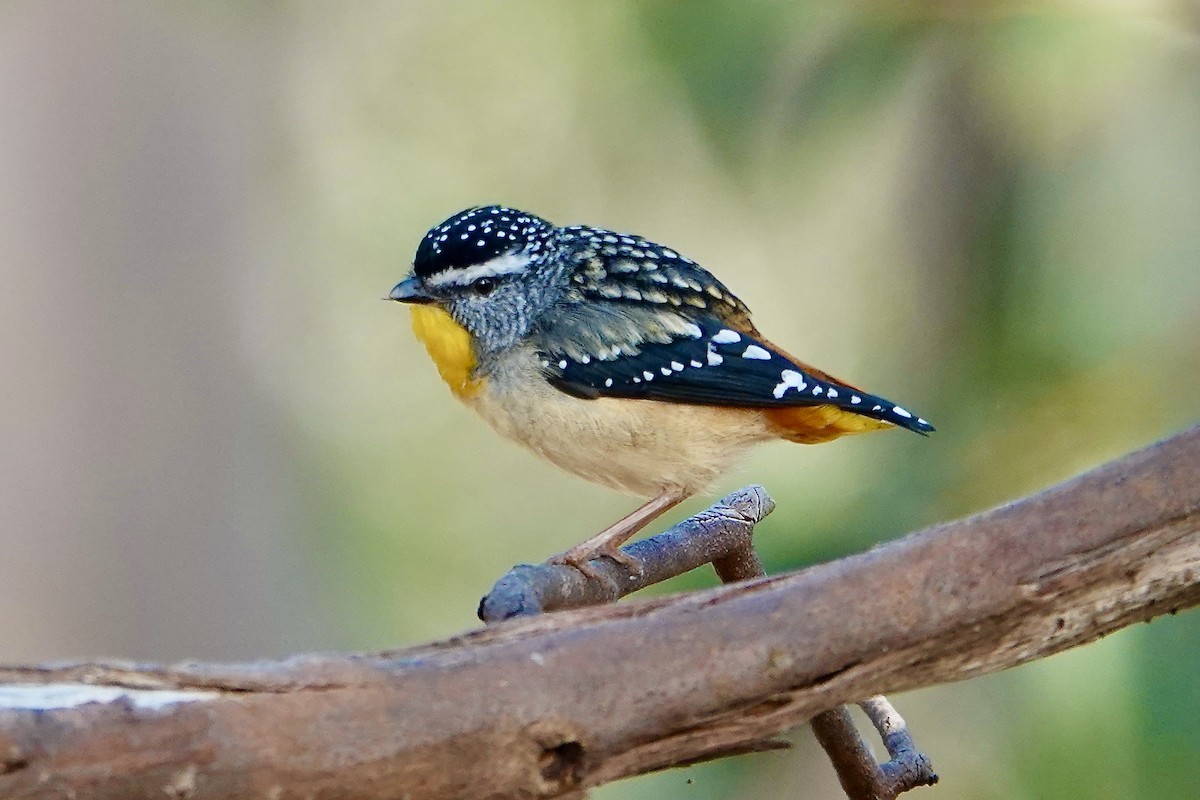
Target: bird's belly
x,y
638,446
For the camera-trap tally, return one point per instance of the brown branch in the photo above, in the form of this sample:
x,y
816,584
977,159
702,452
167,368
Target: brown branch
x,y
545,706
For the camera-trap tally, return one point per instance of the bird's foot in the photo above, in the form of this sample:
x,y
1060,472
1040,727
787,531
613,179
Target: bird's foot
x,y
579,557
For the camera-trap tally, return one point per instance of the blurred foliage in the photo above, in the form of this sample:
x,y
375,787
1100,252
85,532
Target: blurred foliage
x,y
988,212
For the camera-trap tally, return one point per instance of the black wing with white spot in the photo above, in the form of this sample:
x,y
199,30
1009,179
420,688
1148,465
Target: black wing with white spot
x,y
715,365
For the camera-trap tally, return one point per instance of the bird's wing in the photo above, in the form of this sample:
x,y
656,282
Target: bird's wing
x,y
705,361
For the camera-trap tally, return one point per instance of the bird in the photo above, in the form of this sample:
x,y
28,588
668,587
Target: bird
x,y
615,358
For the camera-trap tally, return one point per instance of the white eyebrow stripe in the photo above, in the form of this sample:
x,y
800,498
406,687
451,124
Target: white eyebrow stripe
x,y
506,264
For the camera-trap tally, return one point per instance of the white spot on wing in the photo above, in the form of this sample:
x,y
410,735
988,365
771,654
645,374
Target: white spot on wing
x,y
608,381
714,358
757,353
648,375
855,399
675,365
832,393
693,330
726,336
901,412
789,379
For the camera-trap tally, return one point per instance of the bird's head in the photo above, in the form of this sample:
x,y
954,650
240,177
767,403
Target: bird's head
x,y
491,268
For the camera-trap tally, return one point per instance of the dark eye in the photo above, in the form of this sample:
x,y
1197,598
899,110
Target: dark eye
x,y
483,286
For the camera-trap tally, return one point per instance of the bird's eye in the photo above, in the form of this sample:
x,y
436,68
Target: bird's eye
x,y
483,286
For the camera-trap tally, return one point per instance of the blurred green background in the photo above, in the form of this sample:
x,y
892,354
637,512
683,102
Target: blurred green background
x,y
218,443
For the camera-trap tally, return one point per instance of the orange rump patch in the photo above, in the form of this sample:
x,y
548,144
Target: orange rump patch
x,y
816,424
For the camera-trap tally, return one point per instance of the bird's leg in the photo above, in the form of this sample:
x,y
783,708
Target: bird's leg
x,y
608,541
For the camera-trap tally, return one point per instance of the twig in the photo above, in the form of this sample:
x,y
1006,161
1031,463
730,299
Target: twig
x,y
857,770
861,776
712,535
907,767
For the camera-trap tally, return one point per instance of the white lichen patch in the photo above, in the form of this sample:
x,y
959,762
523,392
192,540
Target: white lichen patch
x,y
45,697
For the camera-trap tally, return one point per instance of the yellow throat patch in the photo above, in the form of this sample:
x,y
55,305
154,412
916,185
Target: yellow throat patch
x,y
449,346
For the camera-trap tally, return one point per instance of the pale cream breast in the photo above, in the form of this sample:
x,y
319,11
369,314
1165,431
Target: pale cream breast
x,y
637,446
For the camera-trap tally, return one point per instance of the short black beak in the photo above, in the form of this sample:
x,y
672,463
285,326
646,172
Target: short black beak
x,y
409,291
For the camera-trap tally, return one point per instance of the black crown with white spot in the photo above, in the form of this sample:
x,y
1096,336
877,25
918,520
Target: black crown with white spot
x,y
478,235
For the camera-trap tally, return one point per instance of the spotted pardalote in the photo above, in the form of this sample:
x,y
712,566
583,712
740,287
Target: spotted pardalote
x,y
616,358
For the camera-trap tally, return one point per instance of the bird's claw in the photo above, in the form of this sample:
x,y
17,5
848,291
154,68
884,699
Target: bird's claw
x,y
580,557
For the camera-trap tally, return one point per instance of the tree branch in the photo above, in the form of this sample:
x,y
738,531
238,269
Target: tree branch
x,y
545,706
